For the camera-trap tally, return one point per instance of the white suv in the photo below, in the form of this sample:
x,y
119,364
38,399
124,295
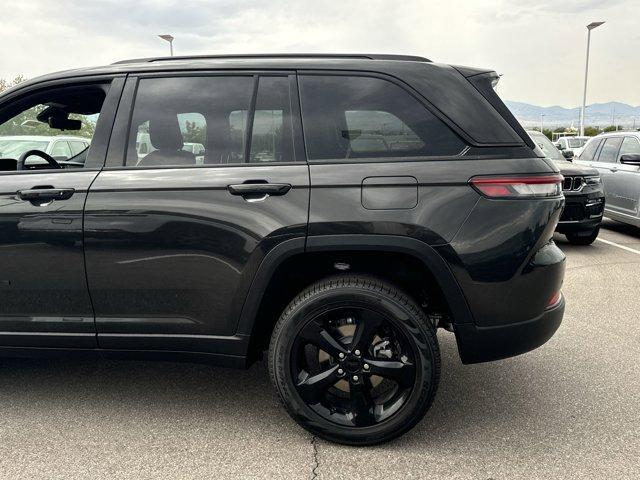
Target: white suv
x,y
616,155
61,148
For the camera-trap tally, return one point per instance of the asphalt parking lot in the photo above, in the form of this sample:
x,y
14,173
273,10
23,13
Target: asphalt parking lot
x,y
570,409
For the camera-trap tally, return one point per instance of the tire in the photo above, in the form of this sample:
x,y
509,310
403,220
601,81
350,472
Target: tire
x,y
588,239
403,356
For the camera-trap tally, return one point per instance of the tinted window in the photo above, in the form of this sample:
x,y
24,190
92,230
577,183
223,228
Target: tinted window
x,y
590,150
172,112
363,117
271,138
609,151
630,145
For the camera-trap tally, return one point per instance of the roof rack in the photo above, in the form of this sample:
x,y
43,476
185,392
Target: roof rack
x,y
405,58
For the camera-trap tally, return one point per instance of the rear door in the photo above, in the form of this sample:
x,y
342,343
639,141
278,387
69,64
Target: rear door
x,y
173,241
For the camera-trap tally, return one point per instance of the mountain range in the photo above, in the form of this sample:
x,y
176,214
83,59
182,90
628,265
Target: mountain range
x,y
597,114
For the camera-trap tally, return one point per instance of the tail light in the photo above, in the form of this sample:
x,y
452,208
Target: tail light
x,y
529,186
554,300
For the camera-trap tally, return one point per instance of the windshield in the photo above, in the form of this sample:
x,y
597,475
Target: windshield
x,y
548,148
576,142
15,148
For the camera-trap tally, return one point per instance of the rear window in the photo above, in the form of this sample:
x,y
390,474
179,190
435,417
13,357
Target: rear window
x,y
358,117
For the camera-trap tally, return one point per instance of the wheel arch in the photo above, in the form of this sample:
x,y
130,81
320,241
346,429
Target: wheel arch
x,y
292,252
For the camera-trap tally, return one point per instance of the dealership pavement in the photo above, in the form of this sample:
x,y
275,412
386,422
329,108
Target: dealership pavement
x,y
570,409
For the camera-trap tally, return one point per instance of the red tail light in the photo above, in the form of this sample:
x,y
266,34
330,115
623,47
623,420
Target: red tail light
x,y
555,299
519,186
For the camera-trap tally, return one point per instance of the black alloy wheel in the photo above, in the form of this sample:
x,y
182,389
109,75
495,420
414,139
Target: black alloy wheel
x,y
355,360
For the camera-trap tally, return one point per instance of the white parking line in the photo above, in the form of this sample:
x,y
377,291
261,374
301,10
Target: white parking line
x,y
614,244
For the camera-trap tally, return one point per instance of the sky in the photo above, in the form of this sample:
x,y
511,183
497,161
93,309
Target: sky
x,y
537,45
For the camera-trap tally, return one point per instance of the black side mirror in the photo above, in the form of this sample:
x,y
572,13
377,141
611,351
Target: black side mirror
x,y
630,159
568,154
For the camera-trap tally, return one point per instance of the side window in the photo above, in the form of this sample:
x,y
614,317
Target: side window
x,y
185,121
36,121
61,150
630,145
364,117
590,150
77,147
609,151
272,133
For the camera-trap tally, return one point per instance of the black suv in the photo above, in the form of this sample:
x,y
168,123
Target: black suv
x,y
333,209
584,195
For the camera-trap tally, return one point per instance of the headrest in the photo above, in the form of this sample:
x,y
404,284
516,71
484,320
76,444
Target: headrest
x,y
165,134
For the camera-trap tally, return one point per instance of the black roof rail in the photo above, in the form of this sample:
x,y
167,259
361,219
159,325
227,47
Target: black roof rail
x,y
405,58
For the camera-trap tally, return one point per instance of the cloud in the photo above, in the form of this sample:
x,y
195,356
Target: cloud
x,y
538,46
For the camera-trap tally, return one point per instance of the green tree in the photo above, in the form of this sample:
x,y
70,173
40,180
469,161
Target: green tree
x,y
610,128
591,131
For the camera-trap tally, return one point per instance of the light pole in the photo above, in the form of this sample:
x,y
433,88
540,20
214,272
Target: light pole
x,y
590,27
169,39
542,123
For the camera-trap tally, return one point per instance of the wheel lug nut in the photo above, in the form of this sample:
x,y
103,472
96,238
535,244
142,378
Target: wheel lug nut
x,y
366,366
341,355
357,352
340,371
355,378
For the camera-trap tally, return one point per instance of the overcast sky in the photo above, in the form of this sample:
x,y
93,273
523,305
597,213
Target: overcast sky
x,y
538,45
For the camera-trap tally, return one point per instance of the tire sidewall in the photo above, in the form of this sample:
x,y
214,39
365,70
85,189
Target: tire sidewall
x,y
414,329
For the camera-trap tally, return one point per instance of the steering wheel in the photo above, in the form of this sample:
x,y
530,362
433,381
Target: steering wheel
x,y
38,153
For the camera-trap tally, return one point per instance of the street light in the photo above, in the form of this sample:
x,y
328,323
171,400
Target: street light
x,y
590,27
542,123
169,39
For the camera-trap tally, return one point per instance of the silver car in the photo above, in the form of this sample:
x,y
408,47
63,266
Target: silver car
x,y
616,155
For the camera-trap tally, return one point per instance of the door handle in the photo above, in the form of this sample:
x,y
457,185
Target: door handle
x,y
613,169
45,194
263,190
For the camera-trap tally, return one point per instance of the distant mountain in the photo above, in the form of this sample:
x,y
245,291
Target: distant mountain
x,y
597,114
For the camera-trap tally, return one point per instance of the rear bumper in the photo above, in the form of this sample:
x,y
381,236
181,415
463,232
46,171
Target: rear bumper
x,y
484,344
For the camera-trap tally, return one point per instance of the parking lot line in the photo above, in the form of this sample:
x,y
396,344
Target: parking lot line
x,y
614,244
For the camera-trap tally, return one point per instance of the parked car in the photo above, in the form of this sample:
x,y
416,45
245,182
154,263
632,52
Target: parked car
x,y
341,261
582,188
616,156
61,148
571,146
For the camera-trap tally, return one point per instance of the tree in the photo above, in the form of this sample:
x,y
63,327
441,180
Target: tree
x,y
591,131
7,84
610,128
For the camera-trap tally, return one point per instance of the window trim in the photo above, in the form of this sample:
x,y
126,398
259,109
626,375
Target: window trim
x,y
117,153
409,90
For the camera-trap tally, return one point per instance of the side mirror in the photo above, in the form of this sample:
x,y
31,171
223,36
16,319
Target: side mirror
x,y
568,154
630,159
559,146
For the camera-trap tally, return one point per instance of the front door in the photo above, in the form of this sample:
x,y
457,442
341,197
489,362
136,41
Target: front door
x,y
174,238
624,185
44,299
